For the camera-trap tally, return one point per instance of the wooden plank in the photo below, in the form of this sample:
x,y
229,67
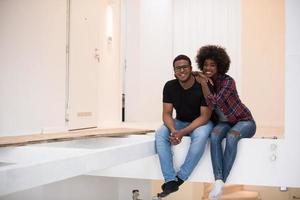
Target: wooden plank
x,y
70,135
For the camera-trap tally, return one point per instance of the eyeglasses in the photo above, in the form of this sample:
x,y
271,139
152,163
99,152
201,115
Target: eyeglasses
x,y
182,67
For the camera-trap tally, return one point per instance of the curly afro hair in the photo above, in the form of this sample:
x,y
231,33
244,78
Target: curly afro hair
x,y
215,53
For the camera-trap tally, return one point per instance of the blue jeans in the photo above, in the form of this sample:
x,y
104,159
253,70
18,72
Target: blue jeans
x,y
199,137
222,163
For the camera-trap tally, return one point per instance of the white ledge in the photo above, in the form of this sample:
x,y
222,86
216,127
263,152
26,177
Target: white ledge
x,y
258,162
30,166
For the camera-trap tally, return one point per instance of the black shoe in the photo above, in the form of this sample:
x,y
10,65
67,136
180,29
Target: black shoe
x,y
168,188
179,183
163,186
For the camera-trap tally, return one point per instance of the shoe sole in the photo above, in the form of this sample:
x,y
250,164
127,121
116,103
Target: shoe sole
x,y
166,193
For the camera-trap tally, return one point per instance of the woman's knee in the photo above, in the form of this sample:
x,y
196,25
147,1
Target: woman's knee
x,y
233,137
245,129
216,135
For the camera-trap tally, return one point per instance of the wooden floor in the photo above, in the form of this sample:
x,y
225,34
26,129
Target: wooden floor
x,y
70,135
96,132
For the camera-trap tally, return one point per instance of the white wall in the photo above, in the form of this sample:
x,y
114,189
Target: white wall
x,y
157,31
32,65
132,57
292,70
290,154
198,23
110,72
149,58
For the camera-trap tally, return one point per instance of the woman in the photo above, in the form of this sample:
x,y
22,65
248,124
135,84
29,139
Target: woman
x,y
234,120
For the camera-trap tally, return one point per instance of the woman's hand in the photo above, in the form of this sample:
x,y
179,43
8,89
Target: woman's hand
x,y
201,78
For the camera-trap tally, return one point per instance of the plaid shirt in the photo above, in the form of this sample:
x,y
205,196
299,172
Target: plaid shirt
x,y
227,100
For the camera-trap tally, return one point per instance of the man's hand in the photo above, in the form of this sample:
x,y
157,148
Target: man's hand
x,y
175,137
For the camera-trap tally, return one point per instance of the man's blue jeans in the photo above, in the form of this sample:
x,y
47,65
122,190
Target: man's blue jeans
x,y
222,163
199,137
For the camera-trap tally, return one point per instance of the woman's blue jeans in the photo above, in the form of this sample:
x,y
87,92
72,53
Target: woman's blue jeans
x,y
223,162
199,137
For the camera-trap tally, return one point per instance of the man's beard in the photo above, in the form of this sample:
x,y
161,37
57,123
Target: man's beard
x,y
186,80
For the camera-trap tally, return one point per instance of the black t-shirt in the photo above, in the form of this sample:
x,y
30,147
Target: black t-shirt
x,y
187,103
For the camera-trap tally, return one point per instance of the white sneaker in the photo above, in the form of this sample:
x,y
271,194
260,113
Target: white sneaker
x,y
217,190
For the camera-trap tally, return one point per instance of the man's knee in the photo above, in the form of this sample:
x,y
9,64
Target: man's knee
x,y
162,132
199,135
204,129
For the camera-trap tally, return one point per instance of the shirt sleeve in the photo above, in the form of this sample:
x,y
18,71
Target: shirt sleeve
x,y
203,101
215,100
166,94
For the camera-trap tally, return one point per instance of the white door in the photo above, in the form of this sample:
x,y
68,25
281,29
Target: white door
x,y
86,22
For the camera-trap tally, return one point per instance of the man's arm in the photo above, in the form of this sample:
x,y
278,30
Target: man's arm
x,y
167,116
199,121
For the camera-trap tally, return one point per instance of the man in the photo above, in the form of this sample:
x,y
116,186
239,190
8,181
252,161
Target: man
x,y
184,94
